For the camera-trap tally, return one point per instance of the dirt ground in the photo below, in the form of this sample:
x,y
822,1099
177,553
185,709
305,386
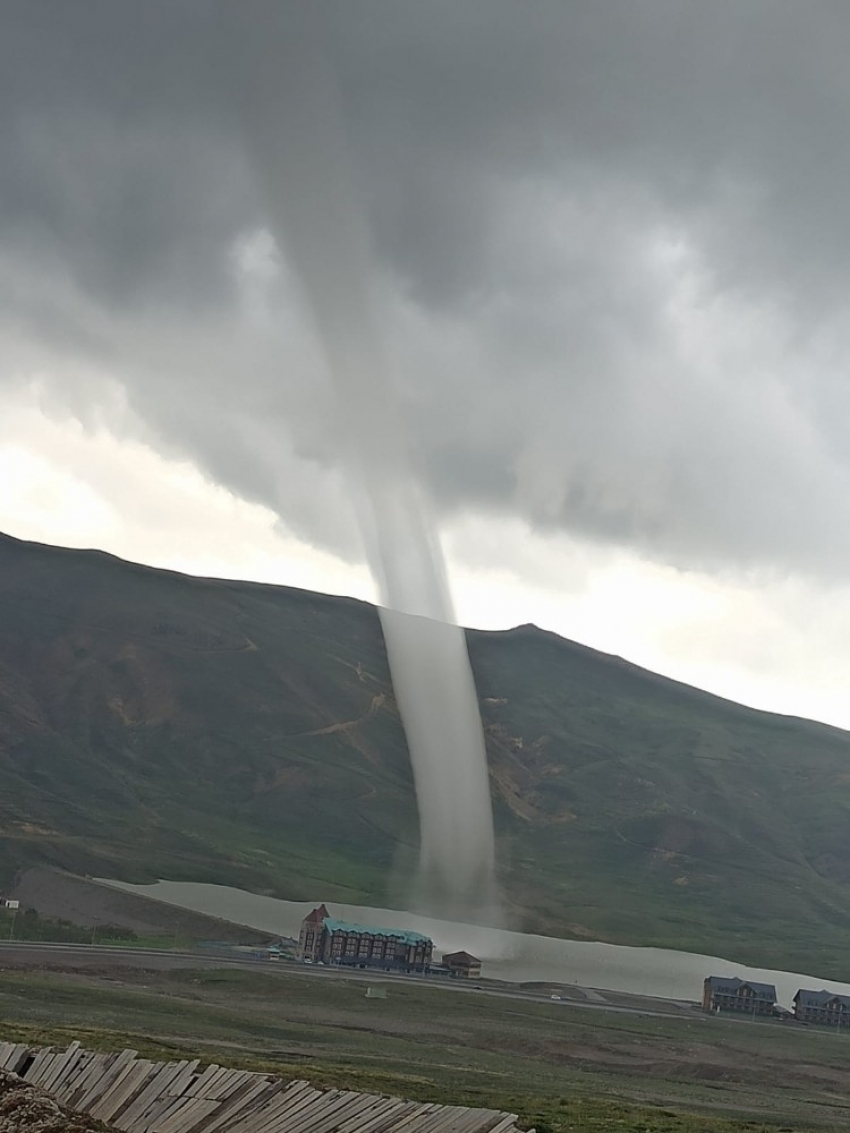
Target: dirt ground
x,y
88,903
27,1108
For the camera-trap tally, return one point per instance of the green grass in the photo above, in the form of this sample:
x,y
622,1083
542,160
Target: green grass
x,y
26,924
162,726
559,1068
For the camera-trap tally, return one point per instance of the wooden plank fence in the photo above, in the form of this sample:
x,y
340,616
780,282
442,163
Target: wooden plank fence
x,y
139,1096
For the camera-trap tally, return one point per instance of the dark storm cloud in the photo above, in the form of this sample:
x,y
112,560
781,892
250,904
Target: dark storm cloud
x,y
612,239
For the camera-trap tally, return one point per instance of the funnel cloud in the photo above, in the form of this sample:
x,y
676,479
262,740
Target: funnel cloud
x,y
299,149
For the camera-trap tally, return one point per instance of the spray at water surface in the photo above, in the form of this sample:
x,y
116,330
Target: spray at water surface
x,y
298,147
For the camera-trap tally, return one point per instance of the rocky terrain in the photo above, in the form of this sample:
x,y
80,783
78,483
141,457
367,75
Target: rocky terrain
x,y
27,1109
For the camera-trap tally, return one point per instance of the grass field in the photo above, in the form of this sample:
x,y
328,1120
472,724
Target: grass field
x,y
160,726
560,1068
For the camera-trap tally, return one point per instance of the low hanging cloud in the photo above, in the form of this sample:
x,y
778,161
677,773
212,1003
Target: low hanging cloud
x,y
610,247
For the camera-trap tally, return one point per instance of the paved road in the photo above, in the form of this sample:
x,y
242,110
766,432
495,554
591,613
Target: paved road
x,y
25,954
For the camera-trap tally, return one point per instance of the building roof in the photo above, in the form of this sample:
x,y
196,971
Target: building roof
x,y
732,983
808,998
461,957
405,936
316,916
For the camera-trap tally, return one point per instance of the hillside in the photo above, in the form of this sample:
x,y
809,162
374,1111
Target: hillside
x,y
158,725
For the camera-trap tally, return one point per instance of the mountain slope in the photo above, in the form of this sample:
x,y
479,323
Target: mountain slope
x,y
153,724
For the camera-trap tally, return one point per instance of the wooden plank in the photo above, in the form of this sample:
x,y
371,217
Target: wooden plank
x,y
160,1114
125,1092
443,1119
226,1082
71,1074
168,1119
158,1082
215,1085
270,1113
193,1112
203,1080
470,1120
124,1088
51,1067
367,1115
95,1064
501,1123
409,1116
236,1095
238,1083
290,1097
71,1055
355,1104
98,1086
210,1088
15,1059
318,1111
184,1078
507,1124
242,1102
104,1095
42,1058
263,1116
316,1105
322,1118
474,1120
257,1100
140,1096
96,1070
378,1118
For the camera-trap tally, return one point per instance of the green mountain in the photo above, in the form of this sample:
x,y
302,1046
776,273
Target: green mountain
x,y
158,725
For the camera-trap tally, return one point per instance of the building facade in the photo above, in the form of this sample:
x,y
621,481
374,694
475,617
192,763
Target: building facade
x,y
724,993
462,964
822,1007
324,939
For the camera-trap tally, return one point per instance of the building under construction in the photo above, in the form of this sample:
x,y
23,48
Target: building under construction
x,y
324,939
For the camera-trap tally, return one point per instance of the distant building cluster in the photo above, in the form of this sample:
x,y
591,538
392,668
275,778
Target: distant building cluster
x,y
823,1007
724,993
324,939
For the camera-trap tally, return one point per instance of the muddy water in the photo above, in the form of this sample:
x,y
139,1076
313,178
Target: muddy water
x,y
511,956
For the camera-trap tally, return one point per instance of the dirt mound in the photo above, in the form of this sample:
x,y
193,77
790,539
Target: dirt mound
x,y
24,1107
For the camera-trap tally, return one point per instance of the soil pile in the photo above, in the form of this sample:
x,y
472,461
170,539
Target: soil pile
x,y
27,1108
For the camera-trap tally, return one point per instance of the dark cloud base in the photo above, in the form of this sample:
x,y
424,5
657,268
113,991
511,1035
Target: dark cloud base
x,y
610,238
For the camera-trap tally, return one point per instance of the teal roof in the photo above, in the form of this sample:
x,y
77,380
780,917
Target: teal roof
x,y
334,925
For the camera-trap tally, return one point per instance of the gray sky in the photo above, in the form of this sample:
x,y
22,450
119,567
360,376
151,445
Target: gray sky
x,y
611,260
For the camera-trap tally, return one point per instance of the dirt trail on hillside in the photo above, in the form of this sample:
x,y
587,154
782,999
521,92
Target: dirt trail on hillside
x,y
378,702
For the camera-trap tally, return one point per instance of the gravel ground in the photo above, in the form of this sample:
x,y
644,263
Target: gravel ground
x,y
27,1109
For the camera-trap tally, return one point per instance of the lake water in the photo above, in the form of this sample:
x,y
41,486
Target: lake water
x,y
514,956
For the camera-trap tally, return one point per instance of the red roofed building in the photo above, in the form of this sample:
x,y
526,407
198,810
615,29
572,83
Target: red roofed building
x,y
311,936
